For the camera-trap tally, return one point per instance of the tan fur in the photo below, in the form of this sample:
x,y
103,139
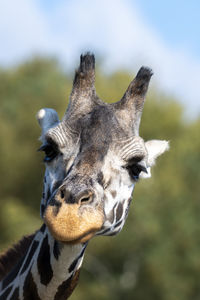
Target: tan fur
x,y
73,225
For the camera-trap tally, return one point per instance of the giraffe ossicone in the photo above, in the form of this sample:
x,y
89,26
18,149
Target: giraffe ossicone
x,y
93,157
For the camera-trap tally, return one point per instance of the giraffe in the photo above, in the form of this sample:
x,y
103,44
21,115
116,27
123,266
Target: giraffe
x,y
93,158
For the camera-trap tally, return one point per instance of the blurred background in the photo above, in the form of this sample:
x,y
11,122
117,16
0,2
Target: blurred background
x,y
156,256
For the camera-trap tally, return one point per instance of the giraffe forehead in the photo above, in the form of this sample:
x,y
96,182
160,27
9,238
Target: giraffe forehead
x,y
99,126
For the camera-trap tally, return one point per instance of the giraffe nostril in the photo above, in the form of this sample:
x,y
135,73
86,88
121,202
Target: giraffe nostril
x,y
86,198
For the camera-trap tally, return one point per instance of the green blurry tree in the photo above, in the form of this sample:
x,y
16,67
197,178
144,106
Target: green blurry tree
x,y
156,257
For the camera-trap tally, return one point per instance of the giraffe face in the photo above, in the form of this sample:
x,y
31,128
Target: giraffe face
x,y
89,180
93,158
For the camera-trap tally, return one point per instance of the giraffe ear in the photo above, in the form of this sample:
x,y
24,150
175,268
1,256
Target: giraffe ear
x,y
154,149
47,118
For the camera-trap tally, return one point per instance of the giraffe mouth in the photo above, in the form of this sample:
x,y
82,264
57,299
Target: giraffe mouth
x,y
70,225
82,239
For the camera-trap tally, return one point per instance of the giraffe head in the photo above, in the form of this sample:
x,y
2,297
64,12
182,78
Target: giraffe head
x,y
94,157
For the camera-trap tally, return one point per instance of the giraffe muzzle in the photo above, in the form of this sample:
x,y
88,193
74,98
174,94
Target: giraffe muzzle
x,y
74,218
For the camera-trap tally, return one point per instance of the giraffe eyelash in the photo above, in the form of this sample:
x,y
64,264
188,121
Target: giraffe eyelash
x,y
135,167
51,151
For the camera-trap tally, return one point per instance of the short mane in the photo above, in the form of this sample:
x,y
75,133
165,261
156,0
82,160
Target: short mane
x,y
14,254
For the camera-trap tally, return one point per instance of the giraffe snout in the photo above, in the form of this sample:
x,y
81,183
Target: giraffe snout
x,y
74,216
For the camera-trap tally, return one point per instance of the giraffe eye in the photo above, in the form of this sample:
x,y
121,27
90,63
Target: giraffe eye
x,y
135,170
50,150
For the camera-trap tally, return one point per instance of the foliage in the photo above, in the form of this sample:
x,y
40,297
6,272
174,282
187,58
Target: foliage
x,y
156,257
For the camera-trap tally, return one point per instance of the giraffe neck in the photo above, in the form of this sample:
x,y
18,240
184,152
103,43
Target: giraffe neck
x,y
48,271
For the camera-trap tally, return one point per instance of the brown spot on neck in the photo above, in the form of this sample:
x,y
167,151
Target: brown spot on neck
x,y
13,255
67,287
15,295
30,289
44,265
6,293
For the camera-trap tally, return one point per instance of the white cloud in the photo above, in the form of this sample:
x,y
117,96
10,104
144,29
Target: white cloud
x,y
22,30
114,29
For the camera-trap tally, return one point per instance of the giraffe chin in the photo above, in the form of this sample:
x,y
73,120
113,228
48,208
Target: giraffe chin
x,y
71,224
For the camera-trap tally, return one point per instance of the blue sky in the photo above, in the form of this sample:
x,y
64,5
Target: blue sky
x,y
126,33
178,22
